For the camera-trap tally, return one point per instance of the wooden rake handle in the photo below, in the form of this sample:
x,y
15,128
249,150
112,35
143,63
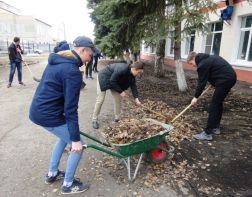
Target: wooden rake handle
x,y
146,108
181,113
25,63
27,67
34,78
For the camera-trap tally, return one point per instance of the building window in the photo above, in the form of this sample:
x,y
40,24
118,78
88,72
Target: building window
x,y
145,48
171,42
149,48
152,49
189,42
213,39
245,45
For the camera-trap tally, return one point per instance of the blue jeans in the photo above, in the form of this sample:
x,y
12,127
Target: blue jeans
x,y
73,159
13,66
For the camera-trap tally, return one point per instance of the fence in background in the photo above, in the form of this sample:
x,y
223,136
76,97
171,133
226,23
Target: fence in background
x,y
28,47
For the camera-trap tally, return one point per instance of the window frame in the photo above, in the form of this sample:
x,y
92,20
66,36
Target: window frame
x,y
148,49
213,33
241,30
186,45
170,44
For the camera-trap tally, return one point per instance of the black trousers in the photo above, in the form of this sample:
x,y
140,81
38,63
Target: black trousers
x,y
216,107
88,71
95,64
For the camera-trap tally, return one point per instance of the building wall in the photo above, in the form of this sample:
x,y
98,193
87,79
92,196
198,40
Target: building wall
x,y
241,9
229,41
7,25
43,32
230,33
26,27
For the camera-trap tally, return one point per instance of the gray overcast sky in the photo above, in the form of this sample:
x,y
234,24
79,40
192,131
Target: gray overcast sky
x,y
74,14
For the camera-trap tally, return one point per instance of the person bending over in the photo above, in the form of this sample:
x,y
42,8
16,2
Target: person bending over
x,y
117,78
220,74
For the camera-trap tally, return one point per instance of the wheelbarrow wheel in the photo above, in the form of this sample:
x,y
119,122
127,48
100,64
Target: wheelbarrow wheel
x,y
158,155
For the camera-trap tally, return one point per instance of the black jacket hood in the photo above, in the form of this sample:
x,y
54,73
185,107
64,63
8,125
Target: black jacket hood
x,y
200,56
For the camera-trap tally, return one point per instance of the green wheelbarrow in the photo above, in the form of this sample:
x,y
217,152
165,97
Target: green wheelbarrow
x,y
155,147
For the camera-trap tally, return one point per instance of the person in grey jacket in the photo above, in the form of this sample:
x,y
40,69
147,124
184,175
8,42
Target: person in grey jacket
x,y
117,77
220,74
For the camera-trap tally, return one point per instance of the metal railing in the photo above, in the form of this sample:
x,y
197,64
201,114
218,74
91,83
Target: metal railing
x,y
28,47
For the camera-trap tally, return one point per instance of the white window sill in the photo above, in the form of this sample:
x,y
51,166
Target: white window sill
x,y
148,53
241,63
184,57
170,55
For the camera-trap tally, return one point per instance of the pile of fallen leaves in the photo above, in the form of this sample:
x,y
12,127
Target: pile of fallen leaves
x,y
130,130
134,125
182,129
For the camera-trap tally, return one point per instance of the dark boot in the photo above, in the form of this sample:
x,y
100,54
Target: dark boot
x,y
9,85
95,124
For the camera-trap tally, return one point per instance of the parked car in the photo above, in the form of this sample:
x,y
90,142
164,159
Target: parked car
x,y
38,51
30,50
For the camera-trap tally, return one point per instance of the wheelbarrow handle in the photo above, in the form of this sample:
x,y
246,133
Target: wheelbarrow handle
x,y
181,113
103,150
95,139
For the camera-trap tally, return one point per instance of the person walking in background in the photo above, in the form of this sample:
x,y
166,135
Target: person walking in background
x,y
117,77
97,55
15,51
88,70
55,107
220,74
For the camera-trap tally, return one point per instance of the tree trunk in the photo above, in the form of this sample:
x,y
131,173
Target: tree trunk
x,y
159,59
182,85
181,80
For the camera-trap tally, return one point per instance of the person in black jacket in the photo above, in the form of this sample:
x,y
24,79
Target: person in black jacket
x,y
117,77
97,55
220,74
15,58
88,69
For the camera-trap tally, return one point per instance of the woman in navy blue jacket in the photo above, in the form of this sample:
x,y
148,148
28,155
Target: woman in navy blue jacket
x,y
220,74
54,107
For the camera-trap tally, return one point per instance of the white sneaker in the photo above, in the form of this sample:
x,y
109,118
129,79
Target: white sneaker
x,y
203,136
